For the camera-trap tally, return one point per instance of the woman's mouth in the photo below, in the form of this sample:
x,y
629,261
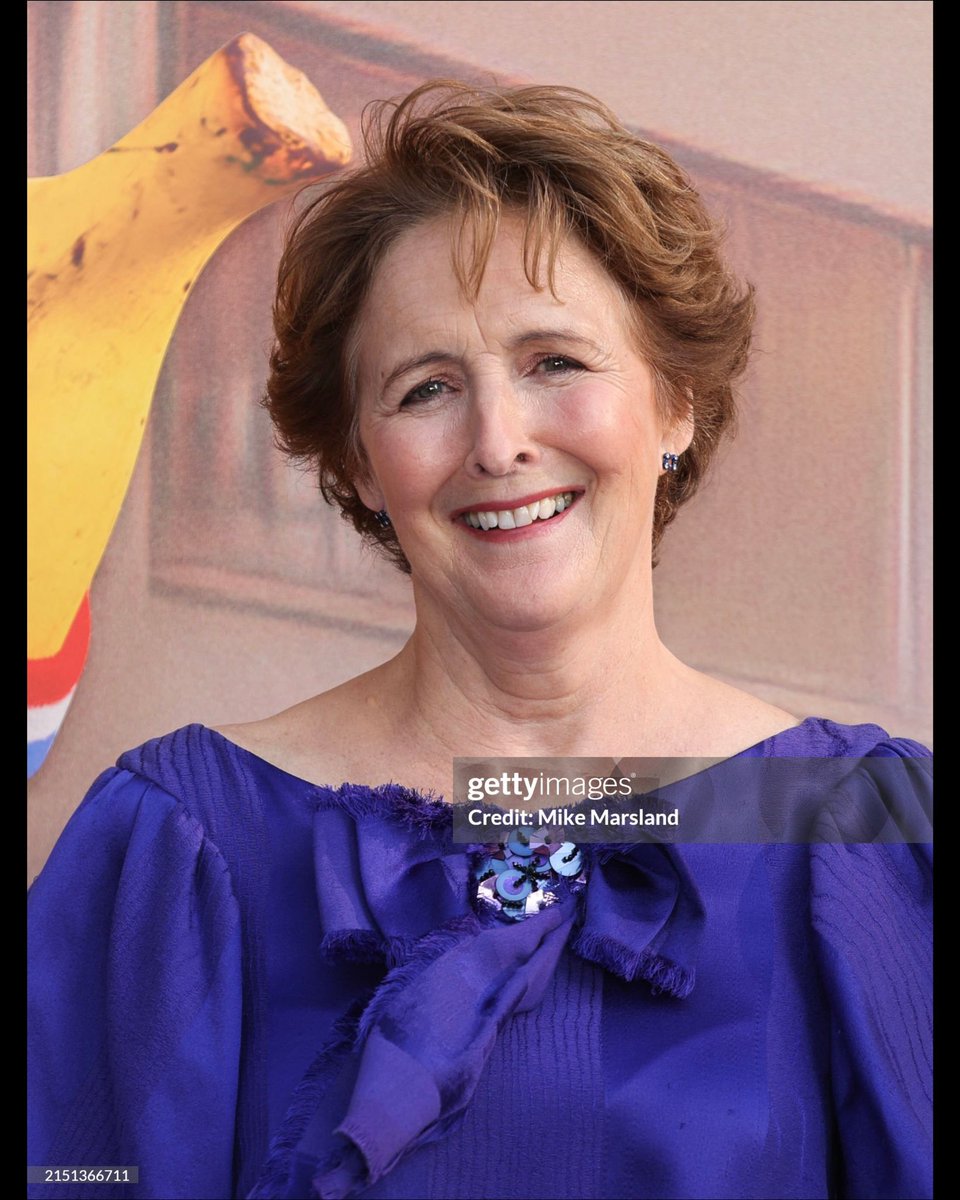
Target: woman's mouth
x,y
548,508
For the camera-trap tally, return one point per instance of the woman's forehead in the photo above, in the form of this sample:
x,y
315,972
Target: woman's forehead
x,y
417,288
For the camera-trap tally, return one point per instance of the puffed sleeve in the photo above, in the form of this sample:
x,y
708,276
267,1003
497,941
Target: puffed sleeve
x,y
871,907
134,998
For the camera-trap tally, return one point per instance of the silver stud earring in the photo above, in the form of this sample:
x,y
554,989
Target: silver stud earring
x,y
670,462
382,519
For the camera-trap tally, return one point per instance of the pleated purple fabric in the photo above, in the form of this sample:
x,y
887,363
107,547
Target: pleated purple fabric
x,y
248,985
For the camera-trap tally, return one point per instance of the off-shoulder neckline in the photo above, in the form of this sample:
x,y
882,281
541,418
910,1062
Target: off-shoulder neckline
x,y
429,798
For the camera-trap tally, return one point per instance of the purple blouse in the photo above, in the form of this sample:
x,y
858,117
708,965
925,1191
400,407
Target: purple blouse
x,y
248,985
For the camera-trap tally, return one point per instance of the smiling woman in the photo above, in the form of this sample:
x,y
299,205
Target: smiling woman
x,y
539,395
556,166
507,345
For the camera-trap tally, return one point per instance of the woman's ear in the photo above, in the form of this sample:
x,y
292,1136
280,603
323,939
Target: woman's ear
x,y
369,491
679,434
365,482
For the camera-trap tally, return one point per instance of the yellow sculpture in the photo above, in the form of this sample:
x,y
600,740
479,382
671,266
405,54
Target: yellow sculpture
x,y
114,248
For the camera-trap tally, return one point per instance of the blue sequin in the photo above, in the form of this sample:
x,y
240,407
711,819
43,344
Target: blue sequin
x,y
525,872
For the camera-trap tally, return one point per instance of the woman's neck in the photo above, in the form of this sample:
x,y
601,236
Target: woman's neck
x,y
600,684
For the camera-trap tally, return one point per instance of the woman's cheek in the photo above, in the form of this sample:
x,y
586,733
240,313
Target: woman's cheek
x,y
410,458
604,402
607,419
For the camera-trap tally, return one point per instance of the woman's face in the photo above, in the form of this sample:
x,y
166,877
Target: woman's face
x,y
501,405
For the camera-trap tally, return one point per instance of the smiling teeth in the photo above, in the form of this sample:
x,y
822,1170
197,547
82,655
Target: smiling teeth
x,y
516,518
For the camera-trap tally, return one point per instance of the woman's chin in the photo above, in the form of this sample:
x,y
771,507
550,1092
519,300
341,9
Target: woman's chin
x,y
527,607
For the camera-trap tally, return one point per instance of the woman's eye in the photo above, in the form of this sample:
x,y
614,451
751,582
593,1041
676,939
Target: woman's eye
x,y
424,391
557,364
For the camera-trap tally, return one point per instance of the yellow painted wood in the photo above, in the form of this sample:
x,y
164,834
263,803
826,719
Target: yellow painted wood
x,y
114,248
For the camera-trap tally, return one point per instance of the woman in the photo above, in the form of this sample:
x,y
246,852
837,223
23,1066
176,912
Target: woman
x,y
507,344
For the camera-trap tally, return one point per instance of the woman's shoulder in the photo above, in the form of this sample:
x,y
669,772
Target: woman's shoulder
x,y
348,735
182,792
824,737
186,804
194,784
323,741
713,719
282,742
198,765
732,722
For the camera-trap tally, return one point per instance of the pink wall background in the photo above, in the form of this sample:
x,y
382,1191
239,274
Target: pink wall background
x,y
801,573
811,90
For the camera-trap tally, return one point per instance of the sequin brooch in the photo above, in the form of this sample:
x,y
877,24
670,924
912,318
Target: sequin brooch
x,y
528,871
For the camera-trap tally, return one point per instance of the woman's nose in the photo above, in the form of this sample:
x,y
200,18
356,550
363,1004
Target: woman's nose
x,y
500,433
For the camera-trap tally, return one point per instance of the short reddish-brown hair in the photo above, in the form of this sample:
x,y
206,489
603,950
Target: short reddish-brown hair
x,y
565,161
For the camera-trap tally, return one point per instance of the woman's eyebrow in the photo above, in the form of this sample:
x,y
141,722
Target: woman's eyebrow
x,y
546,335
412,364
